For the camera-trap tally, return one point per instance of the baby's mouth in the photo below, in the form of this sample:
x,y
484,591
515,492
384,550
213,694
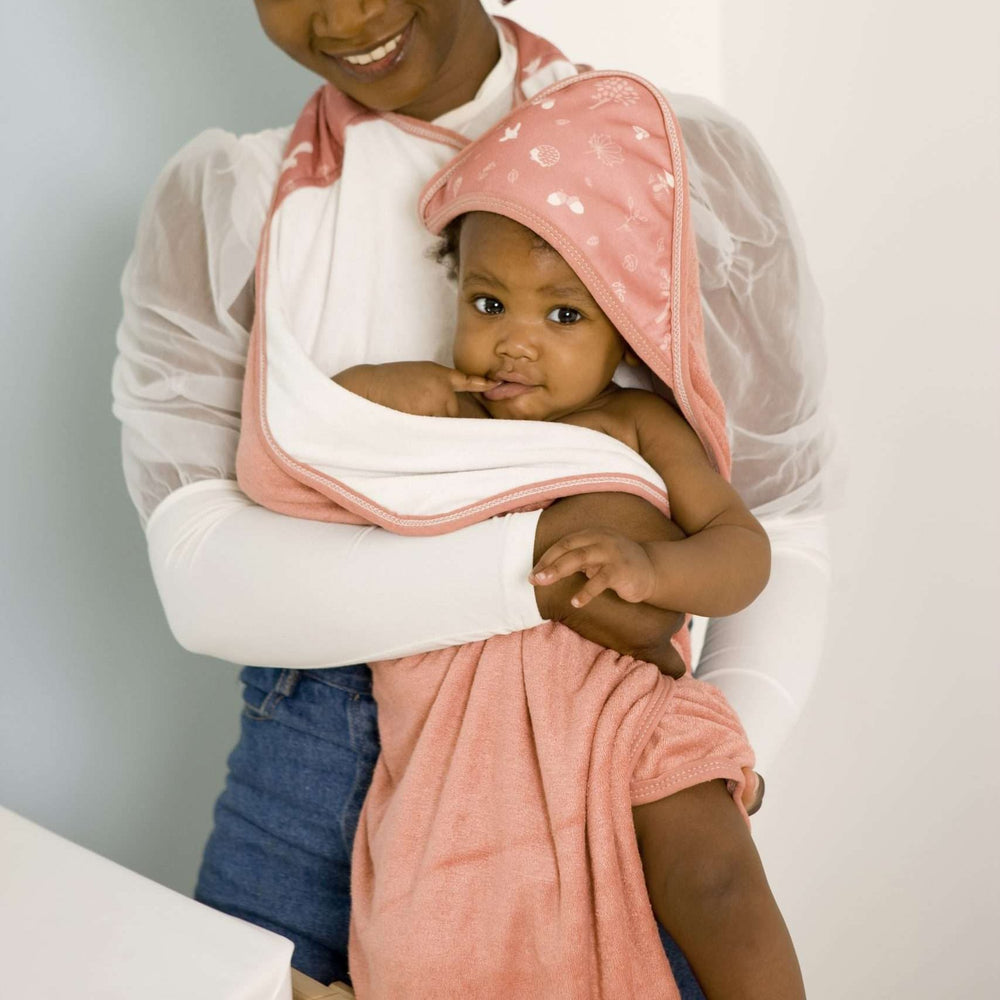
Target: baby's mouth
x,y
507,390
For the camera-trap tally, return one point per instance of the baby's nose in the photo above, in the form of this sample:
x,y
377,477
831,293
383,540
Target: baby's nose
x,y
519,340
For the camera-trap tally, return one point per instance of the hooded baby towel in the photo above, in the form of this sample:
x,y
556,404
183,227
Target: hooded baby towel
x,y
495,854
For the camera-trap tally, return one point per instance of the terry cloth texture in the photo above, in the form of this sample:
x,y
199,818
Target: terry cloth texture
x,y
496,856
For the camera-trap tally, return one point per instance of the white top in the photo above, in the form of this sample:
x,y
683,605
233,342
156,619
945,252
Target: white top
x,y
252,586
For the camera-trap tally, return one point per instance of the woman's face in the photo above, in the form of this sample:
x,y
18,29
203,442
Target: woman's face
x,y
418,57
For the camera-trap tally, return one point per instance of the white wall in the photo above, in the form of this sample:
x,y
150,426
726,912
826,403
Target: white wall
x,y
675,44
883,123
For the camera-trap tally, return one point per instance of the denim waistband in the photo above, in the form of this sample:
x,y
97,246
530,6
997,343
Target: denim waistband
x,y
356,678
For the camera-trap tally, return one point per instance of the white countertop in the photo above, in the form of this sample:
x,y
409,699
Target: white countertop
x,y
73,924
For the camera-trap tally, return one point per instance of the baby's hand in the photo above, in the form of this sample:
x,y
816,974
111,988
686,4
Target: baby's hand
x,y
422,388
609,561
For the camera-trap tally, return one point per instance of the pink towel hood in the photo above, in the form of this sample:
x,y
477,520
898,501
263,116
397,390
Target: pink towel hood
x,y
595,166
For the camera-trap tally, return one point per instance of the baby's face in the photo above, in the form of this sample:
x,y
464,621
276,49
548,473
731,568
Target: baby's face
x,y
524,317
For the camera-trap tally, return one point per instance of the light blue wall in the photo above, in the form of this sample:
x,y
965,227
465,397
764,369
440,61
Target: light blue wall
x,y
110,733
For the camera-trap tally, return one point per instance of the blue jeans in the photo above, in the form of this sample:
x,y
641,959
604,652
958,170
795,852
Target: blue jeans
x,y
280,852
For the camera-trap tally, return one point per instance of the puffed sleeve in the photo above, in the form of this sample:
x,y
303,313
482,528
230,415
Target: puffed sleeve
x,y
237,581
763,316
765,342
188,303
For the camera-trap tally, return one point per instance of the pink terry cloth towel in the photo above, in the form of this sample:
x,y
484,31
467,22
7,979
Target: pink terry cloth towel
x,y
495,855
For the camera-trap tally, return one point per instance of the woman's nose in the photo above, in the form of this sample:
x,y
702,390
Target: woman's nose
x,y
346,19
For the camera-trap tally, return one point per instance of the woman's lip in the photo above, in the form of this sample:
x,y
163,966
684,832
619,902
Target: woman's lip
x,y
373,45
373,70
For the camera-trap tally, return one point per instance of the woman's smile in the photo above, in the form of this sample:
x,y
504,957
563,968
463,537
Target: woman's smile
x,y
375,61
417,57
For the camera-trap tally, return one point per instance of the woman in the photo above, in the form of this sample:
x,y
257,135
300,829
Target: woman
x,y
293,596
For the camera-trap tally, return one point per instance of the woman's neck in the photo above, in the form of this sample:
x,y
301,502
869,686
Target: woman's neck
x,y
474,54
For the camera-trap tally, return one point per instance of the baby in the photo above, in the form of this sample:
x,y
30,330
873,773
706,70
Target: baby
x,y
568,230
531,343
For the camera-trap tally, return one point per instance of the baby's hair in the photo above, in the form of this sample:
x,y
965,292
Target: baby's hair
x,y
445,251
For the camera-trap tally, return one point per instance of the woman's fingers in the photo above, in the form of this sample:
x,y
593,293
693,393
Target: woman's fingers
x,y
753,791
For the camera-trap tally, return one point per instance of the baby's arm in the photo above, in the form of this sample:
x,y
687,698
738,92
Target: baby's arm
x,y
708,889
635,629
724,561
423,388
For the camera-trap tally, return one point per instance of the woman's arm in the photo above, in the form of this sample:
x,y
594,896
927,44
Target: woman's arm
x,y
766,658
765,343
240,582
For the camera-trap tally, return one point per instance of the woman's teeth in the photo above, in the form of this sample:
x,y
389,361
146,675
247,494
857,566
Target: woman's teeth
x,y
374,55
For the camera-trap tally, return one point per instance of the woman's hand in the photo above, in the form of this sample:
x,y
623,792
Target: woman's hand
x,y
638,630
422,388
753,791
609,561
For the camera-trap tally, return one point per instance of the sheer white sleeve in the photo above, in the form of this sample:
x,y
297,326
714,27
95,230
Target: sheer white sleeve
x,y
237,581
763,317
764,336
188,304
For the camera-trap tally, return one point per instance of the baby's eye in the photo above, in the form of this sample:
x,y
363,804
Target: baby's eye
x,y
565,315
487,305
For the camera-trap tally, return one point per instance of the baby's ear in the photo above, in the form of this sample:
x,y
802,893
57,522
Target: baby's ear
x,y
631,359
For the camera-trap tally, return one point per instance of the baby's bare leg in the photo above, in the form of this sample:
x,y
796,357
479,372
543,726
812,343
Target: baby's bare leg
x,y
708,889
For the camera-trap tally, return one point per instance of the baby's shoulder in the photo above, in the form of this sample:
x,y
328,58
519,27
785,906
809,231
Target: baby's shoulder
x,y
643,405
628,415
611,414
660,429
